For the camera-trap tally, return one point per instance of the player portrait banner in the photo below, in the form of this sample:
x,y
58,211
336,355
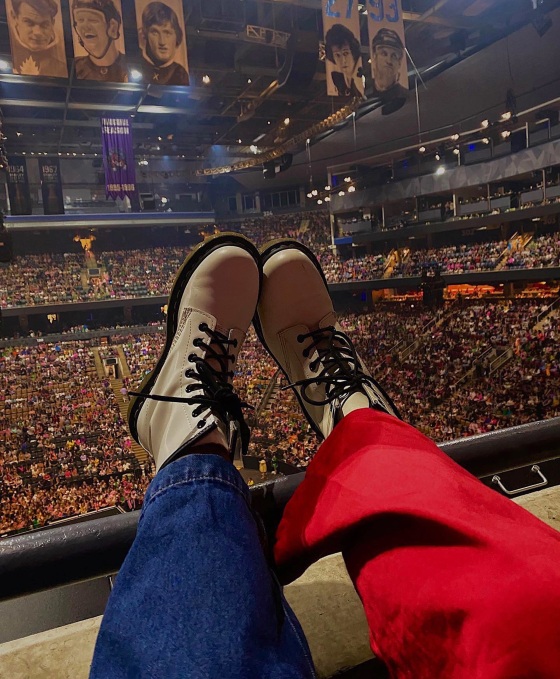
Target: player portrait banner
x,y
98,38
343,58
118,158
388,54
36,38
51,186
18,187
162,41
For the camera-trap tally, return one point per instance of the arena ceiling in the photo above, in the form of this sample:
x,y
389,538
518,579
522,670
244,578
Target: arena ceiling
x,y
238,44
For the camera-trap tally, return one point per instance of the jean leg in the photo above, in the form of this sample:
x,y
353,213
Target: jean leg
x,y
195,596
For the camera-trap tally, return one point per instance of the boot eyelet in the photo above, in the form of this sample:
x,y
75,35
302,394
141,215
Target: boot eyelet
x,y
305,353
203,327
300,338
192,358
201,424
197,341
235,343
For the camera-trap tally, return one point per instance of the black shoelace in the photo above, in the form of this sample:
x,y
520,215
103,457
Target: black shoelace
x,y
218,394
342,373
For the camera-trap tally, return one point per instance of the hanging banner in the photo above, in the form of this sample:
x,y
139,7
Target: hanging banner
x,y
98,37
51,186
118,158
162,41
343,57
18,187
388,55
36,37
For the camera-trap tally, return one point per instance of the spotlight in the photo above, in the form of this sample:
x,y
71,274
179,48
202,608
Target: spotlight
x,y
485,123
456,151
422,149
438,157
206,79
319,202
347,179
455,137
440,170
314,192
351,189
327,199
253,149
286,121
506,134
506,116
341,193
310,195
486,140
327,188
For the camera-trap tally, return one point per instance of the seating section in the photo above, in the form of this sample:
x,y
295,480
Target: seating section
x,y
44,279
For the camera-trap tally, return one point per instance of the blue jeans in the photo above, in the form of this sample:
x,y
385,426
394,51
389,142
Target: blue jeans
x,y
195,597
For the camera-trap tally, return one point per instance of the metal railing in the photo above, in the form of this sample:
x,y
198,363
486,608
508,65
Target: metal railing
x,y
36,561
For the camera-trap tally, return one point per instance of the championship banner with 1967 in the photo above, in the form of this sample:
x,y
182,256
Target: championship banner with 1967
x,y
118,158
343,58
388,53
51,186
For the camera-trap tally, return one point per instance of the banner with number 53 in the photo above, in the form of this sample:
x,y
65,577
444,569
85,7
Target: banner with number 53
x,y
343,51
388,53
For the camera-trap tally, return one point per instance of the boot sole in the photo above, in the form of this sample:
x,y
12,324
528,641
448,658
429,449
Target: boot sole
x,y
267,251
189,266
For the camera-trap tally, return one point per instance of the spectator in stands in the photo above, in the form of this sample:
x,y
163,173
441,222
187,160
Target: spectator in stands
x,y
423,541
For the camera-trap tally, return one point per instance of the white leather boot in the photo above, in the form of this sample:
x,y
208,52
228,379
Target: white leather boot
x,y
296,323
188,398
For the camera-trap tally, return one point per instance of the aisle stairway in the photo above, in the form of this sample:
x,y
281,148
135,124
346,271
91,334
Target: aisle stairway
x,y
139,452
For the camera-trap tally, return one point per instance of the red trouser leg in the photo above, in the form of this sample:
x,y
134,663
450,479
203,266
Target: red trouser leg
x,y
457,581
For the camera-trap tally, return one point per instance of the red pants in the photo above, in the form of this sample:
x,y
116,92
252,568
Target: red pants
x,y
457,581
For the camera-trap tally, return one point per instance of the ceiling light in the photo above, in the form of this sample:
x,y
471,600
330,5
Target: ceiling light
x,y
253,148
438,157
19,134
486,140
455,137
239,141
507,115
310,195
422,149
347,179
206,79
327,188
351,189
485,123
440,170
456,151
159,139
341,193
286,121
327,199
314,192
249,81
23,152
319,202
506,134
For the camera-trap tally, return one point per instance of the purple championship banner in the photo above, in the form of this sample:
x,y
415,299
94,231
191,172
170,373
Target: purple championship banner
x,y
118,158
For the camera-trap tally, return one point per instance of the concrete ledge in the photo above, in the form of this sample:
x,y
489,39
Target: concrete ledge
x,y
323,598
